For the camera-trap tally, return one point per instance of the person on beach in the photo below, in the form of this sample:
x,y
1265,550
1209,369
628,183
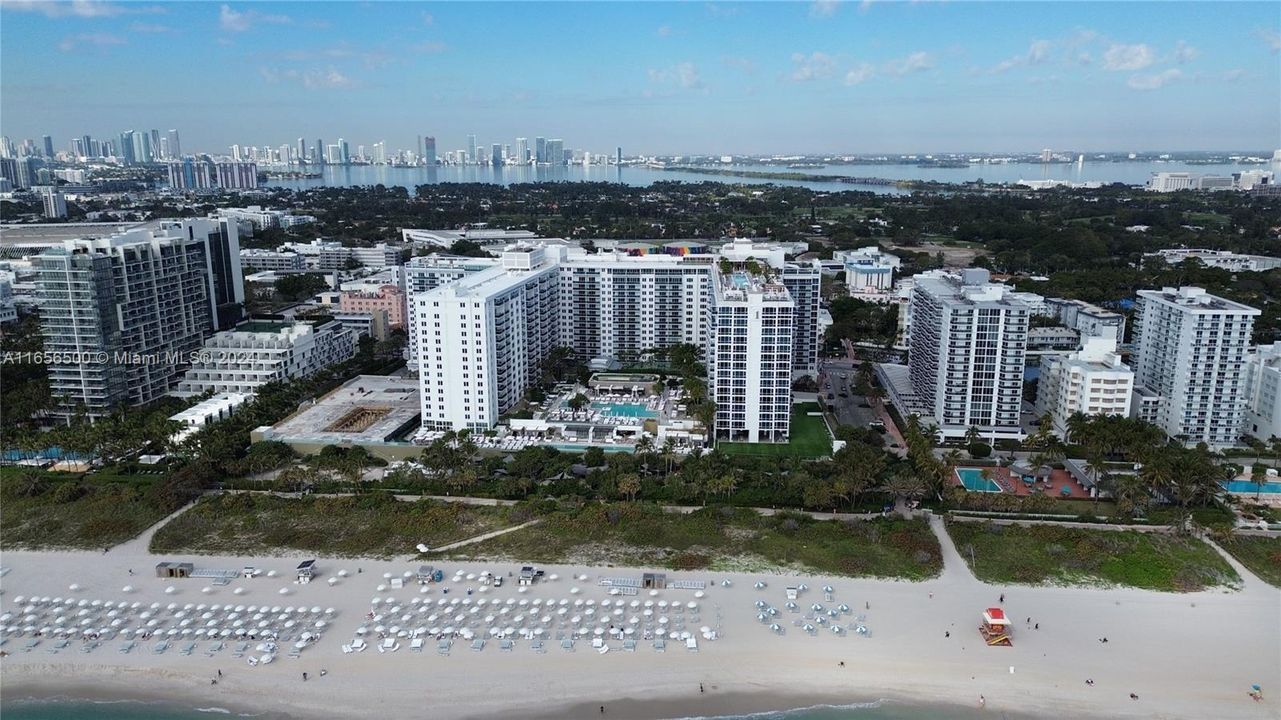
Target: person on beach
x,y
1002,599
700,687
304,677
1089,681
1134,696
602,709
947,633
982,701
1038,626
220,673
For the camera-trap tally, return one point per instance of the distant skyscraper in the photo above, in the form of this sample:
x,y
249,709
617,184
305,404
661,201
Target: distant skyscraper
x,y
78,147
618,155
302,151
155,144
522,150
420,147
142,151
496,154
48,146
345,150
1047,155
235,153
471,149
540,149
88,141
126,147
380,152
55,205
175,148
320,157
429,149
556,151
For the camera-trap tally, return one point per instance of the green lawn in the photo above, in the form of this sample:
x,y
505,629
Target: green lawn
x,y
365,525
67,511
1262,555
637,534
808,438
1044,554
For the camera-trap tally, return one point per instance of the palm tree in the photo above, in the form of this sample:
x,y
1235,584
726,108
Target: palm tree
x,y
972,435
578,402
1259,475
669,453
629,485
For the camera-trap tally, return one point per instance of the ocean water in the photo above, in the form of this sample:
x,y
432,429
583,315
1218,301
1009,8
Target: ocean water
x,y
45,709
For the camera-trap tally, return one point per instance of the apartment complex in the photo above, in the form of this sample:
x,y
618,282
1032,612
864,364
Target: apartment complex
x,y
608,305
1190,352
1088,320
1091,381
1263,392
968,344
387,299
868,270
124,314
273,260
749,355
261,351
1237,262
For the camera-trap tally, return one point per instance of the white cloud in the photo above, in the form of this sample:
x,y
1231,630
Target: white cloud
x,y
824,8
100,41
1185,53
1128,57
683,74
915,62
1233,75
664,31
316,79
1270,37
860,74
1038,52
1155,80
79,8
718,10
236,21
815,66
747,65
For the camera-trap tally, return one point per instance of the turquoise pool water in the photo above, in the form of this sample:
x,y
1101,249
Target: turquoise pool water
x,y
631,410
1245,486
571,448
973,480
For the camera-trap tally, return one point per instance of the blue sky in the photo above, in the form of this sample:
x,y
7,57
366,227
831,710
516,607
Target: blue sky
x,y
653,77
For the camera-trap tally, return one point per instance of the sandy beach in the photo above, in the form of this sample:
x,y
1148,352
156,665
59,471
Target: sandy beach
x,y
1186,656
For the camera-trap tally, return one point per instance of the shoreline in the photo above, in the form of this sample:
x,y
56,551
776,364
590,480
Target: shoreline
x,y
1190,656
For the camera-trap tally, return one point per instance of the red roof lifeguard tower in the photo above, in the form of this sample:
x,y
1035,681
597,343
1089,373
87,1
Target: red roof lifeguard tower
x,y
996,628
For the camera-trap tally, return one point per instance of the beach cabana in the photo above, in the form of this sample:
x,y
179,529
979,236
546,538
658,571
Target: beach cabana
x,y
306,571
996,628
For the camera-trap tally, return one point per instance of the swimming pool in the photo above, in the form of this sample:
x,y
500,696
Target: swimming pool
x,y
571,448
1246,486
631,410
973,480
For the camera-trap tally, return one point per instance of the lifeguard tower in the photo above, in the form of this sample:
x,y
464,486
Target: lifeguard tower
x,y
996,628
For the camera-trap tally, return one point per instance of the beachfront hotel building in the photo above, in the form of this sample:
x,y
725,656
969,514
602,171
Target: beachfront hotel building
x,y
609,305
261,351
968,343
1190,355
1088,320
387,298
749,354
868,270
134,306
1092,381
1263,392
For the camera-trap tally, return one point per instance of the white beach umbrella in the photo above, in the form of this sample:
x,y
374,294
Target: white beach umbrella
x,y
272,573
74,587
171,590
332,581
283,591
238,591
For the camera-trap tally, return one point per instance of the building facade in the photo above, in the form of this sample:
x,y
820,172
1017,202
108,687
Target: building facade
x,y
1091,381
1190,351
1263,392
261,351
967,348
387,299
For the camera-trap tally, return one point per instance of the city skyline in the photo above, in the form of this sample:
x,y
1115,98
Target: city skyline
x,y
829,78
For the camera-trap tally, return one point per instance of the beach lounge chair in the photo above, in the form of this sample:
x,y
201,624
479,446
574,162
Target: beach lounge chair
x,y
160,647
660,645
31,644
415,645
359,645
127,647
240,650
188,648
537,646
567,645
506,645
59,645
629,645
597,643
691,644
215,648
479,644
346,650
443,647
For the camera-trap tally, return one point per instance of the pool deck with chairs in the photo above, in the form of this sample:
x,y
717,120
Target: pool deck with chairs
x,y
1058,480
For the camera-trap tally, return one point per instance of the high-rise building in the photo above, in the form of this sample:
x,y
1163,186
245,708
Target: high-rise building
x,y
155,144
1190,353
141,301
1263,392
617,304
556,151
78,147
429,150
1092,381
55,204
749,354
496,154
126,148
302,151
618,156
522,150
380,153
471,149
345,151
48,146
321,155
540,149
967,347
175,147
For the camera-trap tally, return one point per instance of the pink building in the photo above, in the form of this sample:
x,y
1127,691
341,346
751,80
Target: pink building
x,y
389,298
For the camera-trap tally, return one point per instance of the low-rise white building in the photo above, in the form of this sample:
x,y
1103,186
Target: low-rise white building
x,y
1089,320
1263,392
260,351
1092,381
218,407
1218,259
260,260
868,270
